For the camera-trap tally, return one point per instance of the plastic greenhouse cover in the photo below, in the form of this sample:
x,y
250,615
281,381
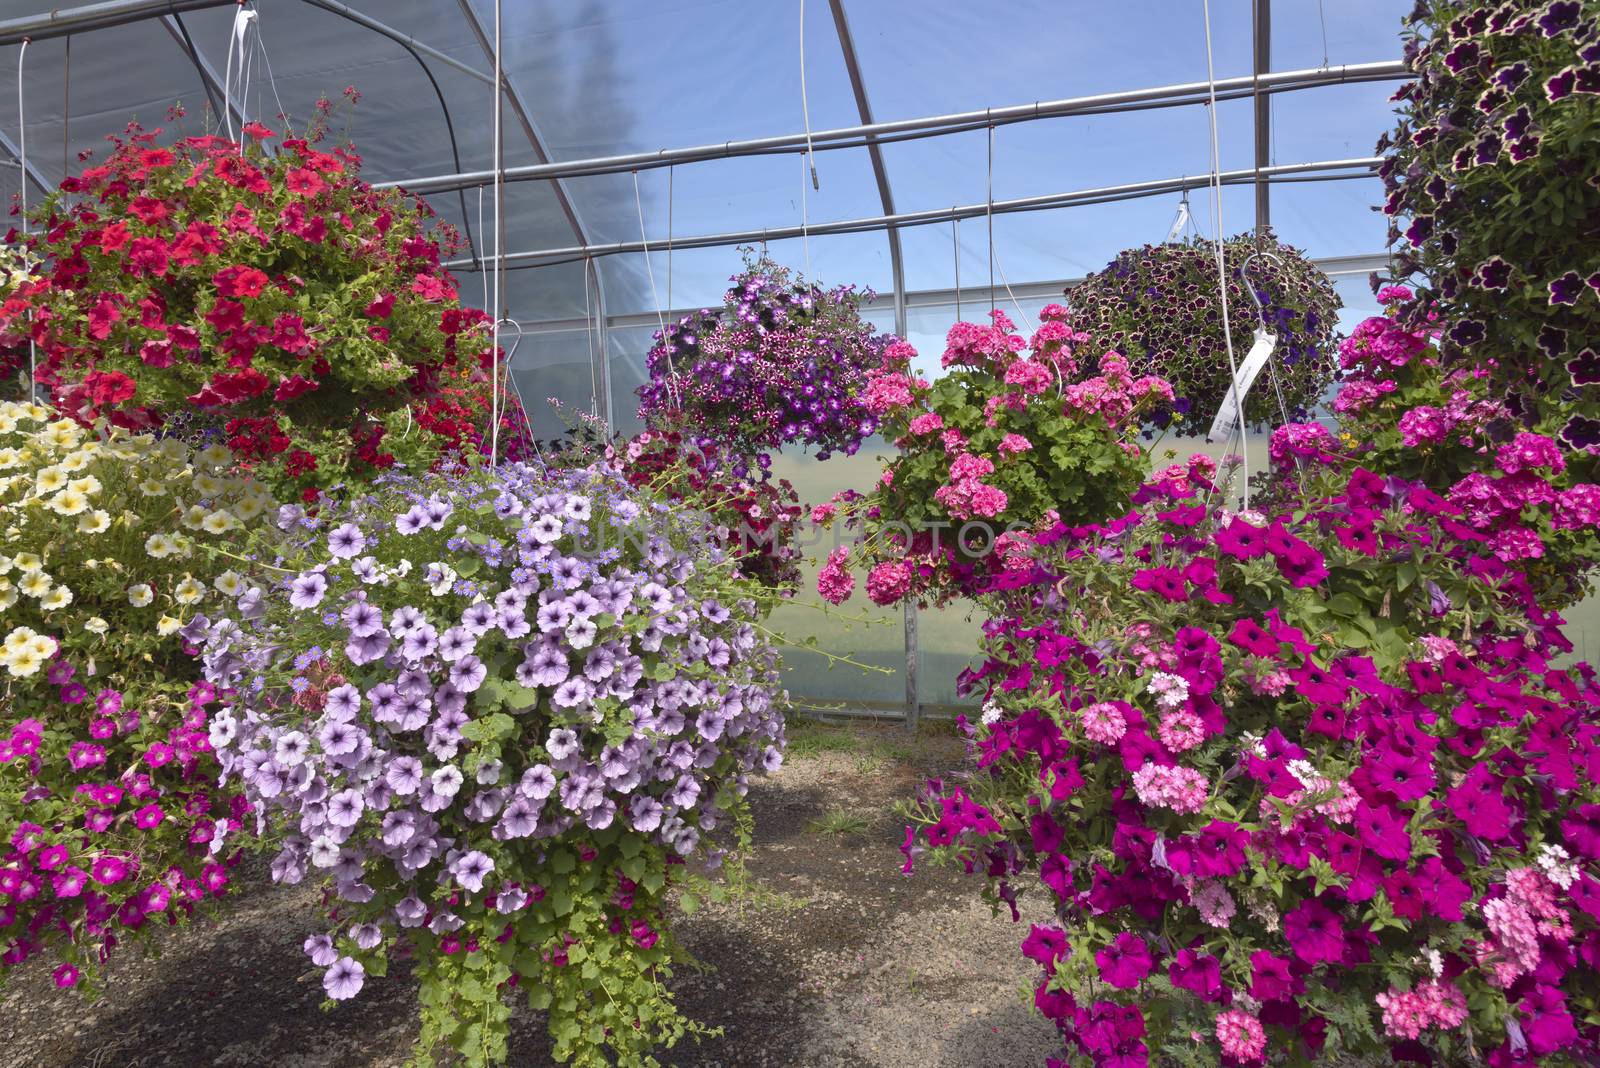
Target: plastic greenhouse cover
x,y
601,77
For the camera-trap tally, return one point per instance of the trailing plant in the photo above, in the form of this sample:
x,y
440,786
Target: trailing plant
x,y
502,716
1491,182
109,805
755,517
1299,786
1407,411
1157,305
783,361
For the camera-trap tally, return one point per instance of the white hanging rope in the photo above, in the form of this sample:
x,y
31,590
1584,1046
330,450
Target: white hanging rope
x,y
994,257
283,112
805,106
805,236
588,336
671,179
955,251
22,171
242,17
499,256
1222,274
483,275
661,320
988,213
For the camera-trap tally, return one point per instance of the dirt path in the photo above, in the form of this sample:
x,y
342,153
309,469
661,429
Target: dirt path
x,y
855,966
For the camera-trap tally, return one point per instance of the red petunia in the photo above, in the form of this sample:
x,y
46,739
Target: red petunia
x,y
240,281
305,182
292,387
102,317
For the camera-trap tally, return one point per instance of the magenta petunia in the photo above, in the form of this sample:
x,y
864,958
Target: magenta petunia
x,y
1314,933
1125,962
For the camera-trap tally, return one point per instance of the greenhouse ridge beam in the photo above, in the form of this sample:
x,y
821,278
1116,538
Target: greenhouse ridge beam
x,y
1333,266
1132,100
1364,167
62,22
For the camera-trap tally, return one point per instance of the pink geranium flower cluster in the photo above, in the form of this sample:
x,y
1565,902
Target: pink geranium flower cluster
x,y
1011,435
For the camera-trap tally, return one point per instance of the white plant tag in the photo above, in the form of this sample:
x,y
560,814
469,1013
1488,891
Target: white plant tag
x,y
1223,426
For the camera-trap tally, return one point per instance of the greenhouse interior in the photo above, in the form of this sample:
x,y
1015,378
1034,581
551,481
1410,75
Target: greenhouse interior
x,y
815,532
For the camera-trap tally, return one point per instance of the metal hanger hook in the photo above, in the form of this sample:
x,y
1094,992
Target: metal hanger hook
x,y
1255,298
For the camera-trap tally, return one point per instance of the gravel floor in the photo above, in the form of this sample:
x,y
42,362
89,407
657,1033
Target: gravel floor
x,y
860,967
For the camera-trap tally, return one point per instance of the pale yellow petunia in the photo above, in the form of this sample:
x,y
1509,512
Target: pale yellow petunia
x,y
220,522
36,584
69,502
49,480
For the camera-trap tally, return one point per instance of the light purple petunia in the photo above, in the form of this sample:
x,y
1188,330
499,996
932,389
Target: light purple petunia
x,y
344,979
345,808
363,618
342,703
562,743
539,780
467,674
574,693
456,643
471,868
346,541
307,590
320,949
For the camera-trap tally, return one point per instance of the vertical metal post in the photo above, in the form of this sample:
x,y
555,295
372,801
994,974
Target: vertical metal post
x,y
1262,53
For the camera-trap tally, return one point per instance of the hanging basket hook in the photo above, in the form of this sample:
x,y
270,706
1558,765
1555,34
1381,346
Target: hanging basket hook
x,y
1255,298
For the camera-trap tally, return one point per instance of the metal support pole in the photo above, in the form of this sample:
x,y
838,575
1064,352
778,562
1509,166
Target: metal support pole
x,y
536,142
1262,65
852,66
208,74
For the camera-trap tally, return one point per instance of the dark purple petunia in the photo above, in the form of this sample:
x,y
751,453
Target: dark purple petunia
x,y
1419,229
1581,432
1566,289
1552,341
1487,148
1493,273
1517,123
1523,148
1558,17
1510,76
1559,86
1588,80
1467,332
1585,368
1462,56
